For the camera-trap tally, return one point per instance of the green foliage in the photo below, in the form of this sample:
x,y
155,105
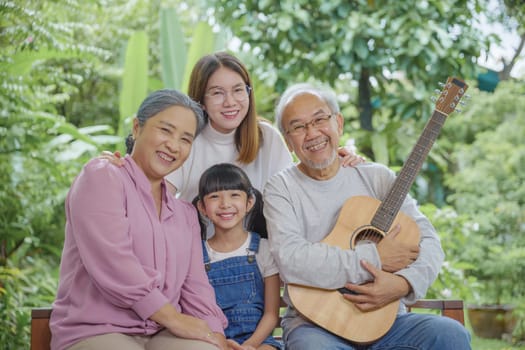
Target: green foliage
x,y
50,64
180,51
518,335
329,40
173,47
396,134
453,230
135,85
202,44
36,138
60,67
24,286
489,187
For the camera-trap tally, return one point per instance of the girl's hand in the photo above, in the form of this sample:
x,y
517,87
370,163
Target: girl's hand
x,y
114,158
233,345
349,158
248,347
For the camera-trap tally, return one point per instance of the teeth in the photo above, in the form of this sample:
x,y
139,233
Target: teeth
x,y
166,157
230,113
317,146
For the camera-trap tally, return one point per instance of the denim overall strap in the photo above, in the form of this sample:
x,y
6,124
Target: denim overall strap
x,y
253,248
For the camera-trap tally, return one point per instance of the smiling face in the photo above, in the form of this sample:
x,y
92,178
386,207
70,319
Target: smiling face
x,y
317,147
228,115
226,209
164,142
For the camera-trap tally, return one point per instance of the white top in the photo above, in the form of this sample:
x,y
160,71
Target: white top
x,y
264,258
212,147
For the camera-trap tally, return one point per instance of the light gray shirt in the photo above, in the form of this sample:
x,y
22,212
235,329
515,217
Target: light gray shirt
x,y
301,211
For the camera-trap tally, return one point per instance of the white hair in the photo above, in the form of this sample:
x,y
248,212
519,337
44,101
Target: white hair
x,y
325,94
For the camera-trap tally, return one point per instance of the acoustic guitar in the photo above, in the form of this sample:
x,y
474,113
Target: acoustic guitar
x,y
365,218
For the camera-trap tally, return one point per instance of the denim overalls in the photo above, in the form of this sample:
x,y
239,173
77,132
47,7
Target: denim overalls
x,y
239,289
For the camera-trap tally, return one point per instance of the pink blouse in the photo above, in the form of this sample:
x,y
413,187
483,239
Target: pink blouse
x,y
121,262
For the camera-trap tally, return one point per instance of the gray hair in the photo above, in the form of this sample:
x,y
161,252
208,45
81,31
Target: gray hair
x,y
325,94
161,100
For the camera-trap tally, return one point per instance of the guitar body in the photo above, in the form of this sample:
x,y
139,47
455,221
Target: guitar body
x,y
328,308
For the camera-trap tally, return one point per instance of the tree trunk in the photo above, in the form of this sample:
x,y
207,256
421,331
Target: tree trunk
x,y
364,103
504,74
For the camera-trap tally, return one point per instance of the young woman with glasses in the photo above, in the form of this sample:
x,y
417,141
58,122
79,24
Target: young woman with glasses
x,y
234,133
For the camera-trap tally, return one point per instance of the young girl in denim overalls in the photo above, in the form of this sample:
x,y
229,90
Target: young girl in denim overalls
x,y
238,261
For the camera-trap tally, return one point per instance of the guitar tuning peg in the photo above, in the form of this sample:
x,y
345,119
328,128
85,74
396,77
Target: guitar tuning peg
x,y
433,98
437,91
463,103
457,110
441,84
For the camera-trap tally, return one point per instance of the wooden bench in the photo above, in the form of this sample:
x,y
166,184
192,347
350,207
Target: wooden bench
x,y
41,335
40,332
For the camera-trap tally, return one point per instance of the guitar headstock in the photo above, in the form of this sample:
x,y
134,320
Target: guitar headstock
x,y
452,92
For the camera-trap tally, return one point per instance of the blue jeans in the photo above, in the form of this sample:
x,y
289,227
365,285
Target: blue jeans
x,y
409,332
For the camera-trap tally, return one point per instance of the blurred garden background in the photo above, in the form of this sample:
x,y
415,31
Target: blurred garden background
x,y
73,72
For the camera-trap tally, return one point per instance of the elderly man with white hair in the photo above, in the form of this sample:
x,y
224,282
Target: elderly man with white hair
x,y
302,206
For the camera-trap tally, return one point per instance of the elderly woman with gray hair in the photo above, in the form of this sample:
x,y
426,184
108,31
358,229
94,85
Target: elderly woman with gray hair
x,y
131,275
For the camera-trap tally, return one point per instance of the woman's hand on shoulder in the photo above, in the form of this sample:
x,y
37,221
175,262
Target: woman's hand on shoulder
x,y
114,158
349,158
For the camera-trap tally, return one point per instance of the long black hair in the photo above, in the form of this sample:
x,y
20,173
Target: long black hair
x,y
226,176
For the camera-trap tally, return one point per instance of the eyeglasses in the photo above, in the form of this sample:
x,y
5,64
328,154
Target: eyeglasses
x,y
298,129
217,95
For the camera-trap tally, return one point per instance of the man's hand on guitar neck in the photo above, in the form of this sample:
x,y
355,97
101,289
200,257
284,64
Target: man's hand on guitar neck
x,y
394,254
384,289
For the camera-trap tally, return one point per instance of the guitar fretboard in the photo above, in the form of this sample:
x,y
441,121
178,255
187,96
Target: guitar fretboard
x,y
390,206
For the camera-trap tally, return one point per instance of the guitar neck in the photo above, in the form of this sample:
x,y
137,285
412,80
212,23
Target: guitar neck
x,y
391,205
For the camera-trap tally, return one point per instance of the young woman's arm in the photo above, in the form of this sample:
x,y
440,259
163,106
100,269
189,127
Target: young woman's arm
x,y
272,293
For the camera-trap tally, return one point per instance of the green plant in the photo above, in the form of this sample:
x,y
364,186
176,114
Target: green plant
x,y
518,336
26,282
452,228
489,188
500,272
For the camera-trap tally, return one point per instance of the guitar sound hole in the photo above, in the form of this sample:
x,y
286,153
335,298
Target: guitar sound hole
x,y
345,290
368,235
